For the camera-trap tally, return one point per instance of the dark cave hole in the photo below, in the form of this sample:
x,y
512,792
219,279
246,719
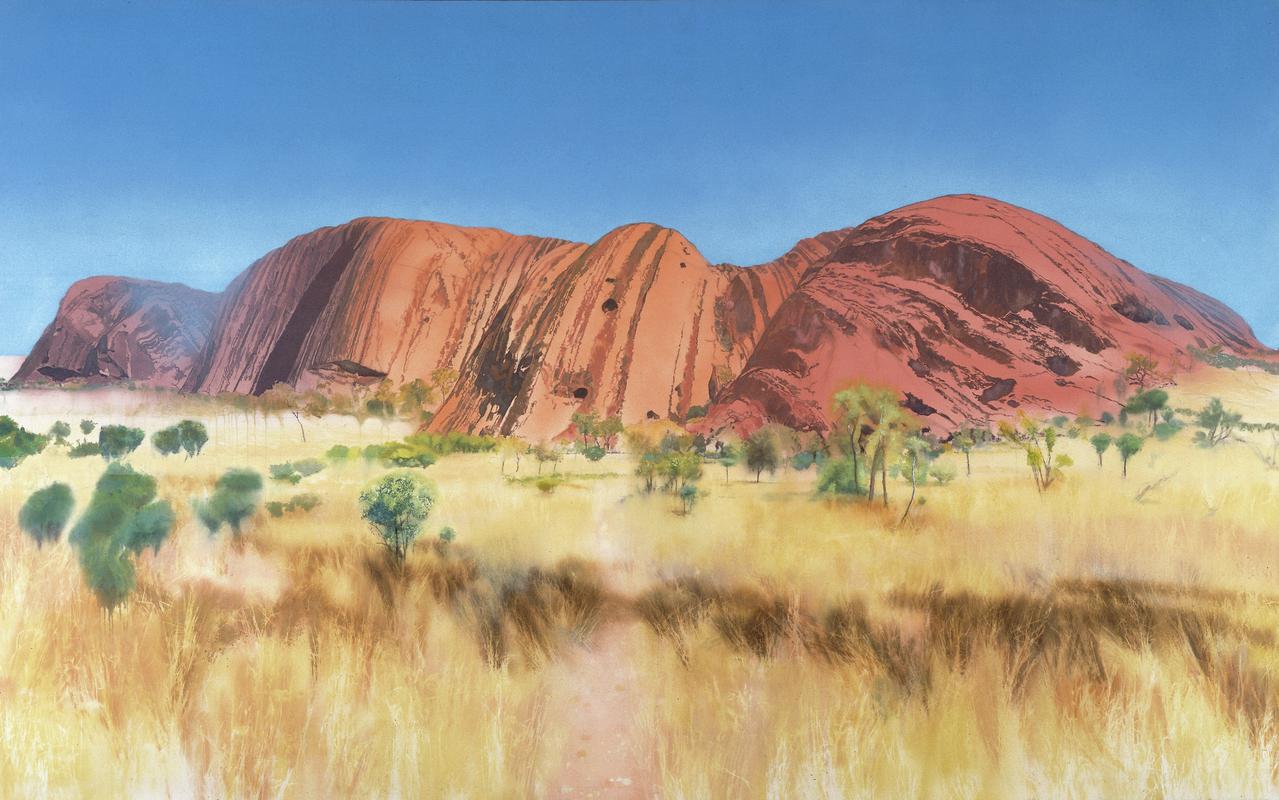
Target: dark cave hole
x,y
609,305
580,393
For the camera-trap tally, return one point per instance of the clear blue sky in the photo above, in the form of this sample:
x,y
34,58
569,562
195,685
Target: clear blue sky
x,y
181,143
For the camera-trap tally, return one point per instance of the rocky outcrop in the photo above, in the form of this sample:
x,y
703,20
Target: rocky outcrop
x,y
972,308
118,329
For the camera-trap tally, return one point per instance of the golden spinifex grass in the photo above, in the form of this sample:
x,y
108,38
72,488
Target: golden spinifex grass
x,y
1080,643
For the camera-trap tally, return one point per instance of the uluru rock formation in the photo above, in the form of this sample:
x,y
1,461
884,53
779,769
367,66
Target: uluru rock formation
x,y
971,307
111,329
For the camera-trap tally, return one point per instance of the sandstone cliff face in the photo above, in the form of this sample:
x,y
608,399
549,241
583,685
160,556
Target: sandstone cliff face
x,y
637,324
372,298
973,309
111,329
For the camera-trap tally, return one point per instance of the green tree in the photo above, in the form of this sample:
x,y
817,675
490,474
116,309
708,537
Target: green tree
x,y
193,436
60,431
87,426
1045,466
167,441
729,456
413,397
122,520
17,443
688,496
396,507
1128,446
1101,443
117,441
837,477
587,425
235,497
761,453
46,513
1216,422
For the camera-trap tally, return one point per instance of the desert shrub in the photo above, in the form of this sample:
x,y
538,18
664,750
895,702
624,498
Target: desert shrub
x,y
1101,443
761,453
16,443
396,507
1128,446
299,502
1045,467
807,458
60,431
117,441
942,473
122,520
284,473
167,441
235,497
547,484
1107,418
87,426
836,477
46,513
447,534
688,495
340,452
193,436
308,467
84,450
695,412
593,452
1216,424
305,502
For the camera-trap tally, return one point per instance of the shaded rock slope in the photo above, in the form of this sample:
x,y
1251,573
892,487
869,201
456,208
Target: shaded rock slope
x,y
971,307
113,329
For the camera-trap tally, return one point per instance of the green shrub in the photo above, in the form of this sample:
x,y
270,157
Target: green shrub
x,y
16,443
117,441
447,534
284,472
194,436
942,473
308,467
87,426
340,452
60,431
836,477
122,520
235,497
593,452
46,513
84,450
397,506
547,484
167,441
688,495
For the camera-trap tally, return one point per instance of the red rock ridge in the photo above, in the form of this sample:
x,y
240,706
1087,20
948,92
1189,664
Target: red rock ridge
x,y
113,329
974,309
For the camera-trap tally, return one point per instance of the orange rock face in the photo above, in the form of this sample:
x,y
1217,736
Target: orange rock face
x,y
973,308
110,329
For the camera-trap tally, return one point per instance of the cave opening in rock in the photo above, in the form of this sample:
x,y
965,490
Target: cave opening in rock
x,y
609,305
580,393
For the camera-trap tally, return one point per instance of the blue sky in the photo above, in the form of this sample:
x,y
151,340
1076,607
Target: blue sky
x,y
181,142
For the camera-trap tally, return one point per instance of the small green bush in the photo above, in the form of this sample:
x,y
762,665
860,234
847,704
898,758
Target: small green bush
x,y
235,497
122,520
16,443
167,442
593,452
46,513
836,477
117,441
85,450
397,506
